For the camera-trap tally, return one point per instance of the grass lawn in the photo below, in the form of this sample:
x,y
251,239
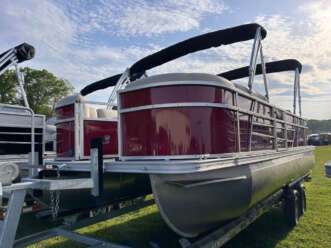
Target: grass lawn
x,y
138,228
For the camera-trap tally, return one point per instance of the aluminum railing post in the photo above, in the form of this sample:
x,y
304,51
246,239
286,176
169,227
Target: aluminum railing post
x,y
97,167
33,170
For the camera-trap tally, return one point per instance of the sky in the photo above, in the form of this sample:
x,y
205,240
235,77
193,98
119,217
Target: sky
x,y
85,41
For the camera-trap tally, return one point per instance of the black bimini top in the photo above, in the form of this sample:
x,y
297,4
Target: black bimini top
x,y
197,43
23,52
271,67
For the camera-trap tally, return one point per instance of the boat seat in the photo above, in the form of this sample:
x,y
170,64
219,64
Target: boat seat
x,y
92,113
88,111
107,113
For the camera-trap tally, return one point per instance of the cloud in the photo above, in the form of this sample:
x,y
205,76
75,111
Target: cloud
x,y
123,18
85,41
63,32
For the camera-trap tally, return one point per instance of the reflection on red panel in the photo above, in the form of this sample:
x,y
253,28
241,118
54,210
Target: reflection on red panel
x,y
176,94
107,130
65,112
65,139
178,131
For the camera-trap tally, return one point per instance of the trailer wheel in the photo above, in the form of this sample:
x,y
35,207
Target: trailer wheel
x,y
302,195
292,207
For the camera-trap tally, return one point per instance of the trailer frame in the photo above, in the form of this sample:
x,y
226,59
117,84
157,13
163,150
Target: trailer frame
x,y
17,191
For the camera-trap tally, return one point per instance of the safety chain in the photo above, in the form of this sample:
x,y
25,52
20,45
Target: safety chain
x,y
55,201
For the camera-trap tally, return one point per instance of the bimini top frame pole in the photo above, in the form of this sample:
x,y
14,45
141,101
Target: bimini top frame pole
x,y
272,67
13,57
198,43
297,91
257,47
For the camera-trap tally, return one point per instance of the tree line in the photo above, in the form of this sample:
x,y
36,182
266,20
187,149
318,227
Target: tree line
x,y
43,90
319,126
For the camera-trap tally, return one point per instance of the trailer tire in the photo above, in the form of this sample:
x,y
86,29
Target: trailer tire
x,y
302,195
292,207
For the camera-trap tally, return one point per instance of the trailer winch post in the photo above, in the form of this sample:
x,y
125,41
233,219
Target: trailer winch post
x,y
33,165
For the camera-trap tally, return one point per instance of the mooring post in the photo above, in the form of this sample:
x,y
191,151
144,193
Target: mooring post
x,y
97,167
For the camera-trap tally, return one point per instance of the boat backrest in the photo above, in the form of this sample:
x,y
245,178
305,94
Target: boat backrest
x,y
106,113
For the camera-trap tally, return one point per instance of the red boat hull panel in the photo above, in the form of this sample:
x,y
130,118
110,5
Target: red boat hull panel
x,y
107,130
178,131
65,112
65,139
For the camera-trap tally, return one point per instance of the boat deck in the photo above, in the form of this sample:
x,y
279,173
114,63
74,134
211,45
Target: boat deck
x,y
177,166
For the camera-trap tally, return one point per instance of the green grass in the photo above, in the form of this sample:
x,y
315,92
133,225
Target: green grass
x,y
138,228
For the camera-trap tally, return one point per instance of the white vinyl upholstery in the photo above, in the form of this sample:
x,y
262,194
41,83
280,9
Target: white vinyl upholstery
x,y
107,113
92,113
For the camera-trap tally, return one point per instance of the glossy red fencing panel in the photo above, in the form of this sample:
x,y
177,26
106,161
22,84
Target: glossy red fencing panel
x,y
65,139
107,130
176,94
178,131
65,112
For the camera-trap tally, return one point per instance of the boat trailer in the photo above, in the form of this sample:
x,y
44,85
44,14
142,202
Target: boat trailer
x,y
292,196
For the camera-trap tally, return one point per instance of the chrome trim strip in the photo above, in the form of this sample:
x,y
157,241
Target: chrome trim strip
x,y
198,183
172,83
20,114
18,142
21,126
100,119
62,159
189,166
17,133
203,157
64,120
174,105
204,104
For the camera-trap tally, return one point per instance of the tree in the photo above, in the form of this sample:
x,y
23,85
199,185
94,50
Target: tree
x,y
8,83
43,89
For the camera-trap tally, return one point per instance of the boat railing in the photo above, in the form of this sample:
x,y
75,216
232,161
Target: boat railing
x,y
32,126
271,67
